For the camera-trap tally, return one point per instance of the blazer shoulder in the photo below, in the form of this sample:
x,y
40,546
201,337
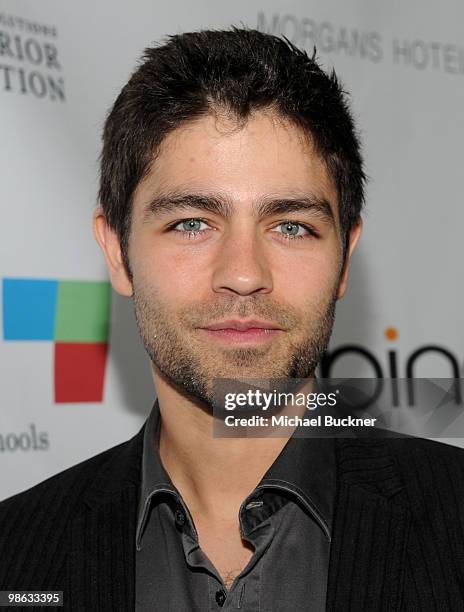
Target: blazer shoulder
x,y
37,525
422,448
432,472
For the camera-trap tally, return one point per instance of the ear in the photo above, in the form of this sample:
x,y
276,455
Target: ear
x,y
109,244
353,238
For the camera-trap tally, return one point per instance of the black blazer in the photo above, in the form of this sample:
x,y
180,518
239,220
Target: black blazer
x,y
397,544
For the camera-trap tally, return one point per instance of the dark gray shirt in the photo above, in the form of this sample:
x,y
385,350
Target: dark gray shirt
x,y
287,519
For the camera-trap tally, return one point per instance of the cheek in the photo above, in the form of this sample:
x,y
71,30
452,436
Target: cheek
x,y
174,275
309,287
311,278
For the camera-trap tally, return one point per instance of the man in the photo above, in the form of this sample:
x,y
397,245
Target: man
x,y
230,201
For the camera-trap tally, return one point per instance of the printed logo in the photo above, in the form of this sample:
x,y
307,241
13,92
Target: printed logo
x,y
75,316
393,370
29,62
30,440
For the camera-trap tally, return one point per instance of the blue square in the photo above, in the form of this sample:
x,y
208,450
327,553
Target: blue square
x,y
29,307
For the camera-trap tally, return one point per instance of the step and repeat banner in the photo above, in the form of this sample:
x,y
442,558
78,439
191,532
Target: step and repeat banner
x,y
74,377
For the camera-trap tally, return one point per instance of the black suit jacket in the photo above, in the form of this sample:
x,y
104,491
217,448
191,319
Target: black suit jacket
x,y
398,540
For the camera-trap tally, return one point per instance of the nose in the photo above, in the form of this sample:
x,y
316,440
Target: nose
x,y
241,266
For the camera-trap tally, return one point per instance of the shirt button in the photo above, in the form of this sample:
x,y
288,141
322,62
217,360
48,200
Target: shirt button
x,y
254,504
179,517
220,597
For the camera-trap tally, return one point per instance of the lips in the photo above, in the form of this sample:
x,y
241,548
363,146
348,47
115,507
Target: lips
x,y
241,325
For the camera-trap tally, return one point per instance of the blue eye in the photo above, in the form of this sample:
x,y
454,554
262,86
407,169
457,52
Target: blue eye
x,y
191,225
292,229
189,228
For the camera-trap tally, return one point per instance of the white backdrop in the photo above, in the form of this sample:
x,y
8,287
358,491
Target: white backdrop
x,y
61,67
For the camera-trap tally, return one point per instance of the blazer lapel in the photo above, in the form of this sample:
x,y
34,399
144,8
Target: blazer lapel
x,y
370,530
101,563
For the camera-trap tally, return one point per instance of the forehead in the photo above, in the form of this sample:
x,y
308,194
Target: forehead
x,y
266,154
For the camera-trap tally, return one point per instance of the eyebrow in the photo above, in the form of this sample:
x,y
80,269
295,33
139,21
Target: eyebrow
x,y
176,203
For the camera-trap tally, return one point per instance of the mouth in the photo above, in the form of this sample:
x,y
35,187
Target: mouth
x,y
242,331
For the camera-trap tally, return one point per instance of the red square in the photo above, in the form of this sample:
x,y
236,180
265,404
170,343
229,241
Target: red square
x,y
79,371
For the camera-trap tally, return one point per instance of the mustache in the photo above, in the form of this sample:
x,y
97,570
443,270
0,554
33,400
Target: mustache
x,y
200,314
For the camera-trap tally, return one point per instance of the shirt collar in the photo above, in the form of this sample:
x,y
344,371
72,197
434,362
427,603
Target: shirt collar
x,y
155,479
305,468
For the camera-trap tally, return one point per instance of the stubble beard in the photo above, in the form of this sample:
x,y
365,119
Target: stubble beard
x,y
191,366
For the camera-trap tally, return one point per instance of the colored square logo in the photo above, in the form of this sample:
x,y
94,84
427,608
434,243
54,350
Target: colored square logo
x,y
83,311
29,308
79,372
75,315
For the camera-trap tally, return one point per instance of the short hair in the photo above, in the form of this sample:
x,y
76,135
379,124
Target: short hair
x,y
239,70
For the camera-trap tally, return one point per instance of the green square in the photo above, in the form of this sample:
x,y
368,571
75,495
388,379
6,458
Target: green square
x,y
83,311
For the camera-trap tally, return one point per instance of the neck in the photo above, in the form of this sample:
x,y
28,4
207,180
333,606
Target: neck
x,y
213,475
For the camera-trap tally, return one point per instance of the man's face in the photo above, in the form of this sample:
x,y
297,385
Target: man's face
x,y
235,253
